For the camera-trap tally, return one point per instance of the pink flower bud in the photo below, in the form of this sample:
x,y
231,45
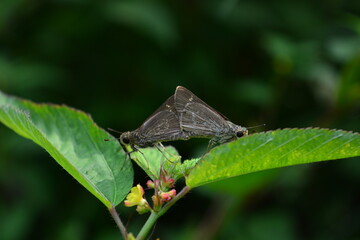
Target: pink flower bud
x,y
172,193
167,196
150,184
169,182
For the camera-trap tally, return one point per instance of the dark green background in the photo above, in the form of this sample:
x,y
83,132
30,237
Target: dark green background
x,y
284,63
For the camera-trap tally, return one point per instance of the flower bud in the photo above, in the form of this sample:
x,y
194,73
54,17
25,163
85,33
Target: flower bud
x,y
150,184
169,182
167,196
143,208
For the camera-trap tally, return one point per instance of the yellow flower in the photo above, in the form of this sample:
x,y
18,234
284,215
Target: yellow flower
x,y
135,197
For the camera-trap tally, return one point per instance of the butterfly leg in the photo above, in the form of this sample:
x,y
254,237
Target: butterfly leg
x,y
212,143
134,149
127,152
162,149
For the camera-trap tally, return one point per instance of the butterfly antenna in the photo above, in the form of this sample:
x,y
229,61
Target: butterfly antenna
x,y
113,130
261,125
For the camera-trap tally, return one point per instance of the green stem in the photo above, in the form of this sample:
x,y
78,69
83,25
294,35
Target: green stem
x,y
155,215
120,225
147,226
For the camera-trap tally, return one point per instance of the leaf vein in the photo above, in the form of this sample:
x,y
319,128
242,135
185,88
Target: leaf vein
x,y
304,143
322,144
350,140
84,176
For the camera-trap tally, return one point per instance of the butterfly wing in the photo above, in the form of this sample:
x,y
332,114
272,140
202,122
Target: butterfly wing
x,y
197,117
162,125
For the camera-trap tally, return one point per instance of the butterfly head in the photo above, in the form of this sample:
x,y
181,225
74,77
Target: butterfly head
x,y
126,138
134,139
241,132
233,132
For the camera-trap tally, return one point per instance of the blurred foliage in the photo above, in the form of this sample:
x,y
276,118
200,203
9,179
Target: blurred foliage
x,y
284,63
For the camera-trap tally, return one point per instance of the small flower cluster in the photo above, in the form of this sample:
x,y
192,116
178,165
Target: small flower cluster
x,y
135,198
163,194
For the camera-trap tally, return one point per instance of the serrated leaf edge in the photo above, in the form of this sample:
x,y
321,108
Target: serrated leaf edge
x,y
27,115
202,159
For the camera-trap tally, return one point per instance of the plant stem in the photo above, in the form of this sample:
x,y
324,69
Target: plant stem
x,y
155,215
120,225
147,226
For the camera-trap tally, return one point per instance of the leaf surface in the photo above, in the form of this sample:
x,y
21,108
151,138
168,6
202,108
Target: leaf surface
x,y
273,149
153,161
73,139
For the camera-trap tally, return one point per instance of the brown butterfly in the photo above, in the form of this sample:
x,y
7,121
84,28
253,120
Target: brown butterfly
x,y
181,117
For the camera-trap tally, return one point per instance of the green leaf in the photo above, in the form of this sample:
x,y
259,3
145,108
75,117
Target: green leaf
x,y
187,166
273,149
75,142
153,160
